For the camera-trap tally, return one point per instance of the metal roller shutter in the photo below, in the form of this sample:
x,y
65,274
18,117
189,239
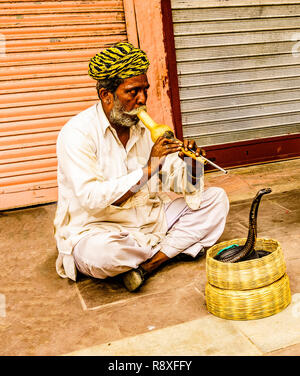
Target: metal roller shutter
x,y
238,78
46,46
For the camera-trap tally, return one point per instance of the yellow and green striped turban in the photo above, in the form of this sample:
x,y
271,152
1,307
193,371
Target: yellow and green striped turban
x,y
122,60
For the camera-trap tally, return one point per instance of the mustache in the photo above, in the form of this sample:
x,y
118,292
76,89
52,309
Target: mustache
x,y
135,111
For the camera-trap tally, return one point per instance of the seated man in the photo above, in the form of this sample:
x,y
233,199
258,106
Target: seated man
x,y
113,214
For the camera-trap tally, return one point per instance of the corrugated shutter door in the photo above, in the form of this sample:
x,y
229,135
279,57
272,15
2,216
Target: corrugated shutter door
x,y
238,77
45,49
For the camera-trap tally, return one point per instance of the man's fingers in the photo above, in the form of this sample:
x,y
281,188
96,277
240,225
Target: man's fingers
x,y
172,148
173,145
191,145
186,144
200,151
160,140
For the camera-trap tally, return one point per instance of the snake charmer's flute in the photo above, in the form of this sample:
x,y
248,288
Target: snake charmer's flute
x,y
158,130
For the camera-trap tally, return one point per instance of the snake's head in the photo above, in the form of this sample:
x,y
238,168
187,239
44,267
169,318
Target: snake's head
x,y
263,191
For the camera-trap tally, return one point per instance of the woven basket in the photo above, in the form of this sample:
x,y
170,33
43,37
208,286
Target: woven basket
x,y
248,304
246,275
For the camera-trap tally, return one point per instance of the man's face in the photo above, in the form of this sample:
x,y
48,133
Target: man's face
x,y
129,96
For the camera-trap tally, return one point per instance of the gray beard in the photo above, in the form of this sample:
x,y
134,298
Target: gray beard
x,y
122,118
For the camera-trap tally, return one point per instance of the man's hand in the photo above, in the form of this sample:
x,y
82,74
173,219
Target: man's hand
x,y
191,144
192,165
162,147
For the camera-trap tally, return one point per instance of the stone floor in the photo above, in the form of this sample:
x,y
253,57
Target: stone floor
x,y
42,314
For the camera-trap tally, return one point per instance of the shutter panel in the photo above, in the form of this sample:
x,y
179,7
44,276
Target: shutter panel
x,y
238,78
43,82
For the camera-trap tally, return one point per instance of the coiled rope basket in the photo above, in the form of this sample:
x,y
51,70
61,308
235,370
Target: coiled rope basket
x,y
250,289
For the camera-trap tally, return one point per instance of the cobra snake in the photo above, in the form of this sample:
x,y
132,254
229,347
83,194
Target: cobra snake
x,y
235,252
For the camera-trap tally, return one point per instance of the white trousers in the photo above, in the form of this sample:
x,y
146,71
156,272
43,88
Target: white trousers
x,y
107,254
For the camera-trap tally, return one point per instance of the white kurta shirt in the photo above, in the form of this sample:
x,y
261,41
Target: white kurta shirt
x,y
95,170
